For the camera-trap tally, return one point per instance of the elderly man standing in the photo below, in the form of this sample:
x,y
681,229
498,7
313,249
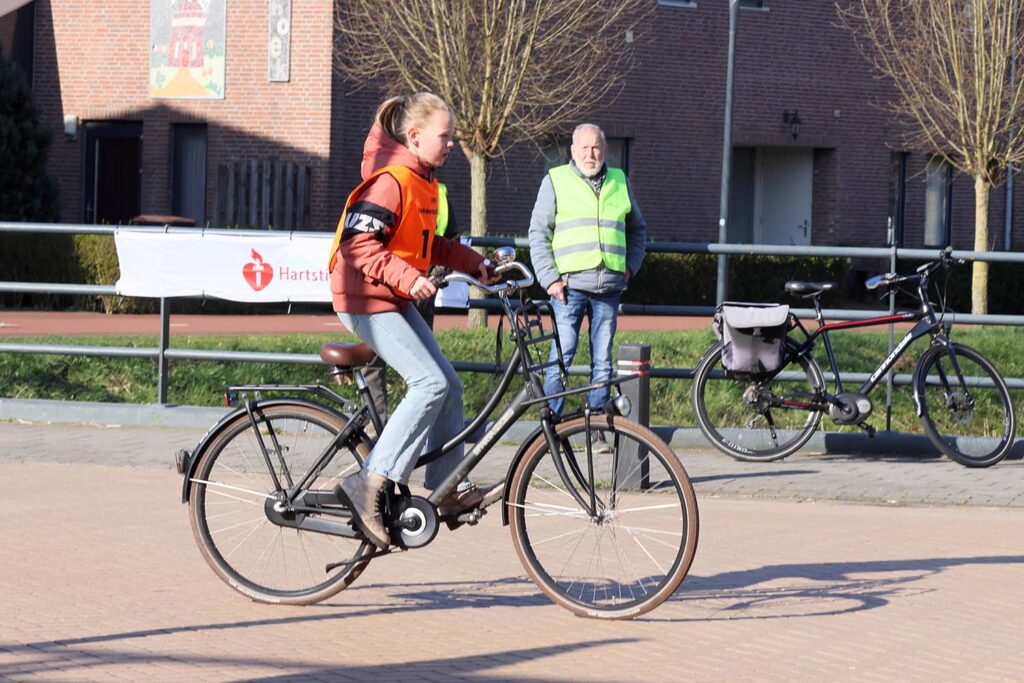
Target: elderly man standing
x,y
587,240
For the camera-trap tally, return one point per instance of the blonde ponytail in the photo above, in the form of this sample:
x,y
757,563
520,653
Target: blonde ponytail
x,y
398,114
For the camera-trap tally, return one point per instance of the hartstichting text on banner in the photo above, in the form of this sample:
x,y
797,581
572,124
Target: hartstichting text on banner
x,y
286,267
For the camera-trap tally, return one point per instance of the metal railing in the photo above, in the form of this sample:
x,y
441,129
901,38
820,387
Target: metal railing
x,y
162,353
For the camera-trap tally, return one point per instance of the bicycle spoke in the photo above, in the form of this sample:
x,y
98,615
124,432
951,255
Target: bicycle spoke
x,y
667,506
560,536
216,485
645,550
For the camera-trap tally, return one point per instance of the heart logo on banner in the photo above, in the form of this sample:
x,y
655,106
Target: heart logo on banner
x,y
257,273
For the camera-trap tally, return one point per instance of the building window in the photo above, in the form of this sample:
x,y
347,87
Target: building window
x,y
752,4
557,153
938,202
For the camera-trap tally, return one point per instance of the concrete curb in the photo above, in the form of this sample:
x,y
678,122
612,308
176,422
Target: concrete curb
x,y
152,415
125,414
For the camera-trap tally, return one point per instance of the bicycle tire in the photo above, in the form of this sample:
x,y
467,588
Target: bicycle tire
x,y
658,544
258,558
978,434
727,409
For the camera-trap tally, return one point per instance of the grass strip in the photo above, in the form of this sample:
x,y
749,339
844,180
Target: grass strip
x,y
201,383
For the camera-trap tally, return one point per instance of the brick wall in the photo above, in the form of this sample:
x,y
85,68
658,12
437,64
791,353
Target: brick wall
x,y
92,60
791,57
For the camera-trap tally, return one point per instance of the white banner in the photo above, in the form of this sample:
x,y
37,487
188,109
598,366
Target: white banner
x,y
288,267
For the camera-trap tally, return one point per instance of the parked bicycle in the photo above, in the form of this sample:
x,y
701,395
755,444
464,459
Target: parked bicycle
x,y
608,535
759,395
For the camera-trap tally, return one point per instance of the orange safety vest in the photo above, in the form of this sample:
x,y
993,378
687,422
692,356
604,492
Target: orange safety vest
x,y
413,239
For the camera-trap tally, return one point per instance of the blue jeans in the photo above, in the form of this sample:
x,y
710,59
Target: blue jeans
x,y
602,313
431,412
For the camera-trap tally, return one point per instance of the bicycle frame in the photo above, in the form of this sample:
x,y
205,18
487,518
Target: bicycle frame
x,y
301,500
927,323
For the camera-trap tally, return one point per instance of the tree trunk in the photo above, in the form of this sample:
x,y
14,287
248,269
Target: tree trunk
x,y
478,221
979,280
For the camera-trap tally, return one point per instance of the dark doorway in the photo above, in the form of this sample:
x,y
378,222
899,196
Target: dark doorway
x,y
113,168
188,171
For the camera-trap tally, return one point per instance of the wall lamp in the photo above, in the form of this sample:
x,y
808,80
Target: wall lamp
x,y
792,119
71,126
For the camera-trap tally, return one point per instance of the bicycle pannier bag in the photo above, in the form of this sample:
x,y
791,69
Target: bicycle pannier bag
x,y
753,337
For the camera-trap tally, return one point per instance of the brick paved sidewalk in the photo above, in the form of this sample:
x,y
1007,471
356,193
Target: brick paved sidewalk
x,y
101,580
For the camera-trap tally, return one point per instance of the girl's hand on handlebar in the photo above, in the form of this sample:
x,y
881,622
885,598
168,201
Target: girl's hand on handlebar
x,y
422,288
487,274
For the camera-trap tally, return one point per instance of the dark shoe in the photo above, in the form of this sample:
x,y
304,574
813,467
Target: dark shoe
x,y
361,493
600,444
457,502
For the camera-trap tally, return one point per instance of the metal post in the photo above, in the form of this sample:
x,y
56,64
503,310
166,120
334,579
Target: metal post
x,y
892,330
165,333
723,213
632,467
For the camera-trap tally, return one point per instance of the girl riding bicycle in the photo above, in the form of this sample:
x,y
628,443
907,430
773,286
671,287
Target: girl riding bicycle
x,y
384,245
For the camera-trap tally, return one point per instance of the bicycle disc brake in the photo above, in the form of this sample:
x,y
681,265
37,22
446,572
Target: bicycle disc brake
x,y
960,407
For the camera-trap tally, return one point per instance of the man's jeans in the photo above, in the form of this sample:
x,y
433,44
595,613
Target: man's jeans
x,y
430,413
602,312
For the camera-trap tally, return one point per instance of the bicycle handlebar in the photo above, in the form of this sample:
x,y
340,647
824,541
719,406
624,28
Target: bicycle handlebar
x,y
888,280
499,287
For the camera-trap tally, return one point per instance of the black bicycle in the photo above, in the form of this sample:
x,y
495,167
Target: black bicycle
x,y
961,398
608,535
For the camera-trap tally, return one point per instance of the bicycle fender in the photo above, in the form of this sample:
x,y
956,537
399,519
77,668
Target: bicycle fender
x,y
537,433
197,453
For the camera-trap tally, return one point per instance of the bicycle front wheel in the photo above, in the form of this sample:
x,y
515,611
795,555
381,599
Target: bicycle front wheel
x,y
237,535
630,546
757,420
968,415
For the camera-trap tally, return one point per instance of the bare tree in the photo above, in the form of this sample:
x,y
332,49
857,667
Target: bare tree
x,y
952,63
511,70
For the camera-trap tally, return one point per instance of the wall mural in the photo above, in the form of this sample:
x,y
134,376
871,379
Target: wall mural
x,y
186,58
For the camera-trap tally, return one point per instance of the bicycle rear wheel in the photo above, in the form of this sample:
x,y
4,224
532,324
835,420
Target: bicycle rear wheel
x,y
968,416
756,420
635,550
228,504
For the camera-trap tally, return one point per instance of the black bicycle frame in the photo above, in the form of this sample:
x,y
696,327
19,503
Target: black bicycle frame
x,y
531,394
925,318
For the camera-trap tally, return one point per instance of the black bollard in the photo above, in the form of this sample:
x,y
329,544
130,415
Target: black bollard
x,y
632,467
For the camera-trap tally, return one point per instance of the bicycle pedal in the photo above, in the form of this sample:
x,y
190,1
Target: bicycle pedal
x,y
472,518
869,429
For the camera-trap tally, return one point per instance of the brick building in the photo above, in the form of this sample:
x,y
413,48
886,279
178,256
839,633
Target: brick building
x,y
816,159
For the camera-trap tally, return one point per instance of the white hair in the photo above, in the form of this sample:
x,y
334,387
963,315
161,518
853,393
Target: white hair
x,y
594,126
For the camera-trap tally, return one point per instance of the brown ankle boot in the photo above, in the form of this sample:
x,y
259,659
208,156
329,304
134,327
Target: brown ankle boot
x,y
458,502
361,493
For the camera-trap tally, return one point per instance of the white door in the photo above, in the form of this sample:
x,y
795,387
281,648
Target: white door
x,y
784,180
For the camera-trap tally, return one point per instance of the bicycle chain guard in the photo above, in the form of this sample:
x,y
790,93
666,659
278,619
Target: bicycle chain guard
x,y
413,522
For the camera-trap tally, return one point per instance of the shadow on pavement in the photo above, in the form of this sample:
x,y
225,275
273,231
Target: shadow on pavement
x,y
435,596
748,475
467,668
802,590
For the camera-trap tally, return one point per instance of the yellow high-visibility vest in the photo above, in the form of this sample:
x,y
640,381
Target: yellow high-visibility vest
x,y
442,209
590,229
